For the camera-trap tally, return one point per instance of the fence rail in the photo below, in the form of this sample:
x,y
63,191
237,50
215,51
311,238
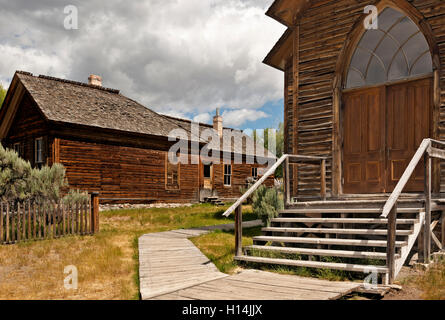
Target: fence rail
x,y
29,221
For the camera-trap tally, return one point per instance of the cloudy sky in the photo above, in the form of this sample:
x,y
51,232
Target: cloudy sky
x,y
180,57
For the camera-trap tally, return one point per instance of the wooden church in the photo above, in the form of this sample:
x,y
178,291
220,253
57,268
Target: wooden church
x,y
364,113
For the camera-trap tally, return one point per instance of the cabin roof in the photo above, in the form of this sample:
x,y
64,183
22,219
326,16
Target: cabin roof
x,y
247,146
66,101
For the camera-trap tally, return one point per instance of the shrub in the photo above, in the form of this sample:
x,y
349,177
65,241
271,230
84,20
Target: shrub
x,y
75,196
266,202
20,182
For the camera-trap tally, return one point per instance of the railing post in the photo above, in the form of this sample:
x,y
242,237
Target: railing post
x,y
323,179
391,245
239,231
442,222
287,182
427,228
94,212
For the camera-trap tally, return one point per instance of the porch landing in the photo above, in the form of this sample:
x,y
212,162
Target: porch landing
x,y
172,268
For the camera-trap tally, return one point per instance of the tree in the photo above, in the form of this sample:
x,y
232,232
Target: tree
x,y
2,95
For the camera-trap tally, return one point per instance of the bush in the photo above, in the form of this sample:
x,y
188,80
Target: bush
x,y
75,196
20,182
266,202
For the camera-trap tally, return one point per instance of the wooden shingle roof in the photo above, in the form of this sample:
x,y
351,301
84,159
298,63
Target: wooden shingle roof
x,y
72,102
82,104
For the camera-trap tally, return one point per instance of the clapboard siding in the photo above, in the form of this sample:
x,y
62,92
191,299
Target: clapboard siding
x,y
323,30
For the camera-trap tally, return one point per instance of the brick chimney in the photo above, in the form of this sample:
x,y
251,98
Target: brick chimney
x,y
218,123
95,80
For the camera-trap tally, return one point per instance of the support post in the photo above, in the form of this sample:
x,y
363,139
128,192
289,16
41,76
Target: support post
x,y
391,245
287,184
427,228
323,179
442,232
94,212
239,231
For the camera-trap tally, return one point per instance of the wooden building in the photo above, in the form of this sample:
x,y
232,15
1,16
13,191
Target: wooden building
x,y
112,144
362,97
364,136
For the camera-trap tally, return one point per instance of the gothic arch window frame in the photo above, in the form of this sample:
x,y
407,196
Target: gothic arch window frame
x,y
375,61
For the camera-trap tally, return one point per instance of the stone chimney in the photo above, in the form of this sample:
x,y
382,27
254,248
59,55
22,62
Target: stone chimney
x,y
218,123
95,80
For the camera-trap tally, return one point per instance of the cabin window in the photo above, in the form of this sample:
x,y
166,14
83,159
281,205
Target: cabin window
x,y
38,150
255,173
207,171
228,175
18,147
172,172
397,50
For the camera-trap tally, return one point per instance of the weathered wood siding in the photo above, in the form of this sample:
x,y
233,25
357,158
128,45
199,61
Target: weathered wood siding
x,y
29,124
323,31
125,172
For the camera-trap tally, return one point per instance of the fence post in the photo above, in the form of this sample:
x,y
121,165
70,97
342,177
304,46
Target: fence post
x,y
391,246
239,231
94,212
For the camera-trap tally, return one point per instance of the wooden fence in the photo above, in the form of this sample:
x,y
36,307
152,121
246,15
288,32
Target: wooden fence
x,y
49,220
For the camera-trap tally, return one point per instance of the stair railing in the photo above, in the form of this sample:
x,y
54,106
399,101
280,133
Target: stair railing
x,y
287,159
426,151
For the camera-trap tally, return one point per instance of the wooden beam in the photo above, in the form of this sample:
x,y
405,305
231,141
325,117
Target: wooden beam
x,y
323,179
442,222
94,207
239,231
436,153
427,229
391,246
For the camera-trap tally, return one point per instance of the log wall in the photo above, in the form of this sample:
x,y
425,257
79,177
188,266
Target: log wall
x,y
323,31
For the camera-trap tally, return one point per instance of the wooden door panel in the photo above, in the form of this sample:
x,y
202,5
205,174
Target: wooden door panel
x,y
364,133
409,116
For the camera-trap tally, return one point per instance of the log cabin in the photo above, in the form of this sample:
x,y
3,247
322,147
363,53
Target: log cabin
x,y
364,135
111,144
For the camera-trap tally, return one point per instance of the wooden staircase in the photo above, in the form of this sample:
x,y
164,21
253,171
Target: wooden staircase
x,y
375,234
330,236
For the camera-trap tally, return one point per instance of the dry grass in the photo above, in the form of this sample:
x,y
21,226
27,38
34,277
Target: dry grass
x,y
107,262
432,282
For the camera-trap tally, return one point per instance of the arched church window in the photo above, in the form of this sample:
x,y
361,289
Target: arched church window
x,y
396,50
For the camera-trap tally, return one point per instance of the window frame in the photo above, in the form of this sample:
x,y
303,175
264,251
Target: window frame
x,y
254,172
228,175
354,74
18,147
36,150
168,186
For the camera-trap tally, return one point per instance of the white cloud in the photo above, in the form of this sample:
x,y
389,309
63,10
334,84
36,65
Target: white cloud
x,y
175,56
236,118
203,118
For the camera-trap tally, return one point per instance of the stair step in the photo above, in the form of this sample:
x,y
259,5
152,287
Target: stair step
x,y
381,232
323,252
343,210
345,242
342,220
315,264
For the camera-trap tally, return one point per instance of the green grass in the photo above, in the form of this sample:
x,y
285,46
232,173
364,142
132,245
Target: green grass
x,y
219,247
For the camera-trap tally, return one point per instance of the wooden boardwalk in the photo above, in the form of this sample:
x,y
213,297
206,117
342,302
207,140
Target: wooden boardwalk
x,y
172,268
